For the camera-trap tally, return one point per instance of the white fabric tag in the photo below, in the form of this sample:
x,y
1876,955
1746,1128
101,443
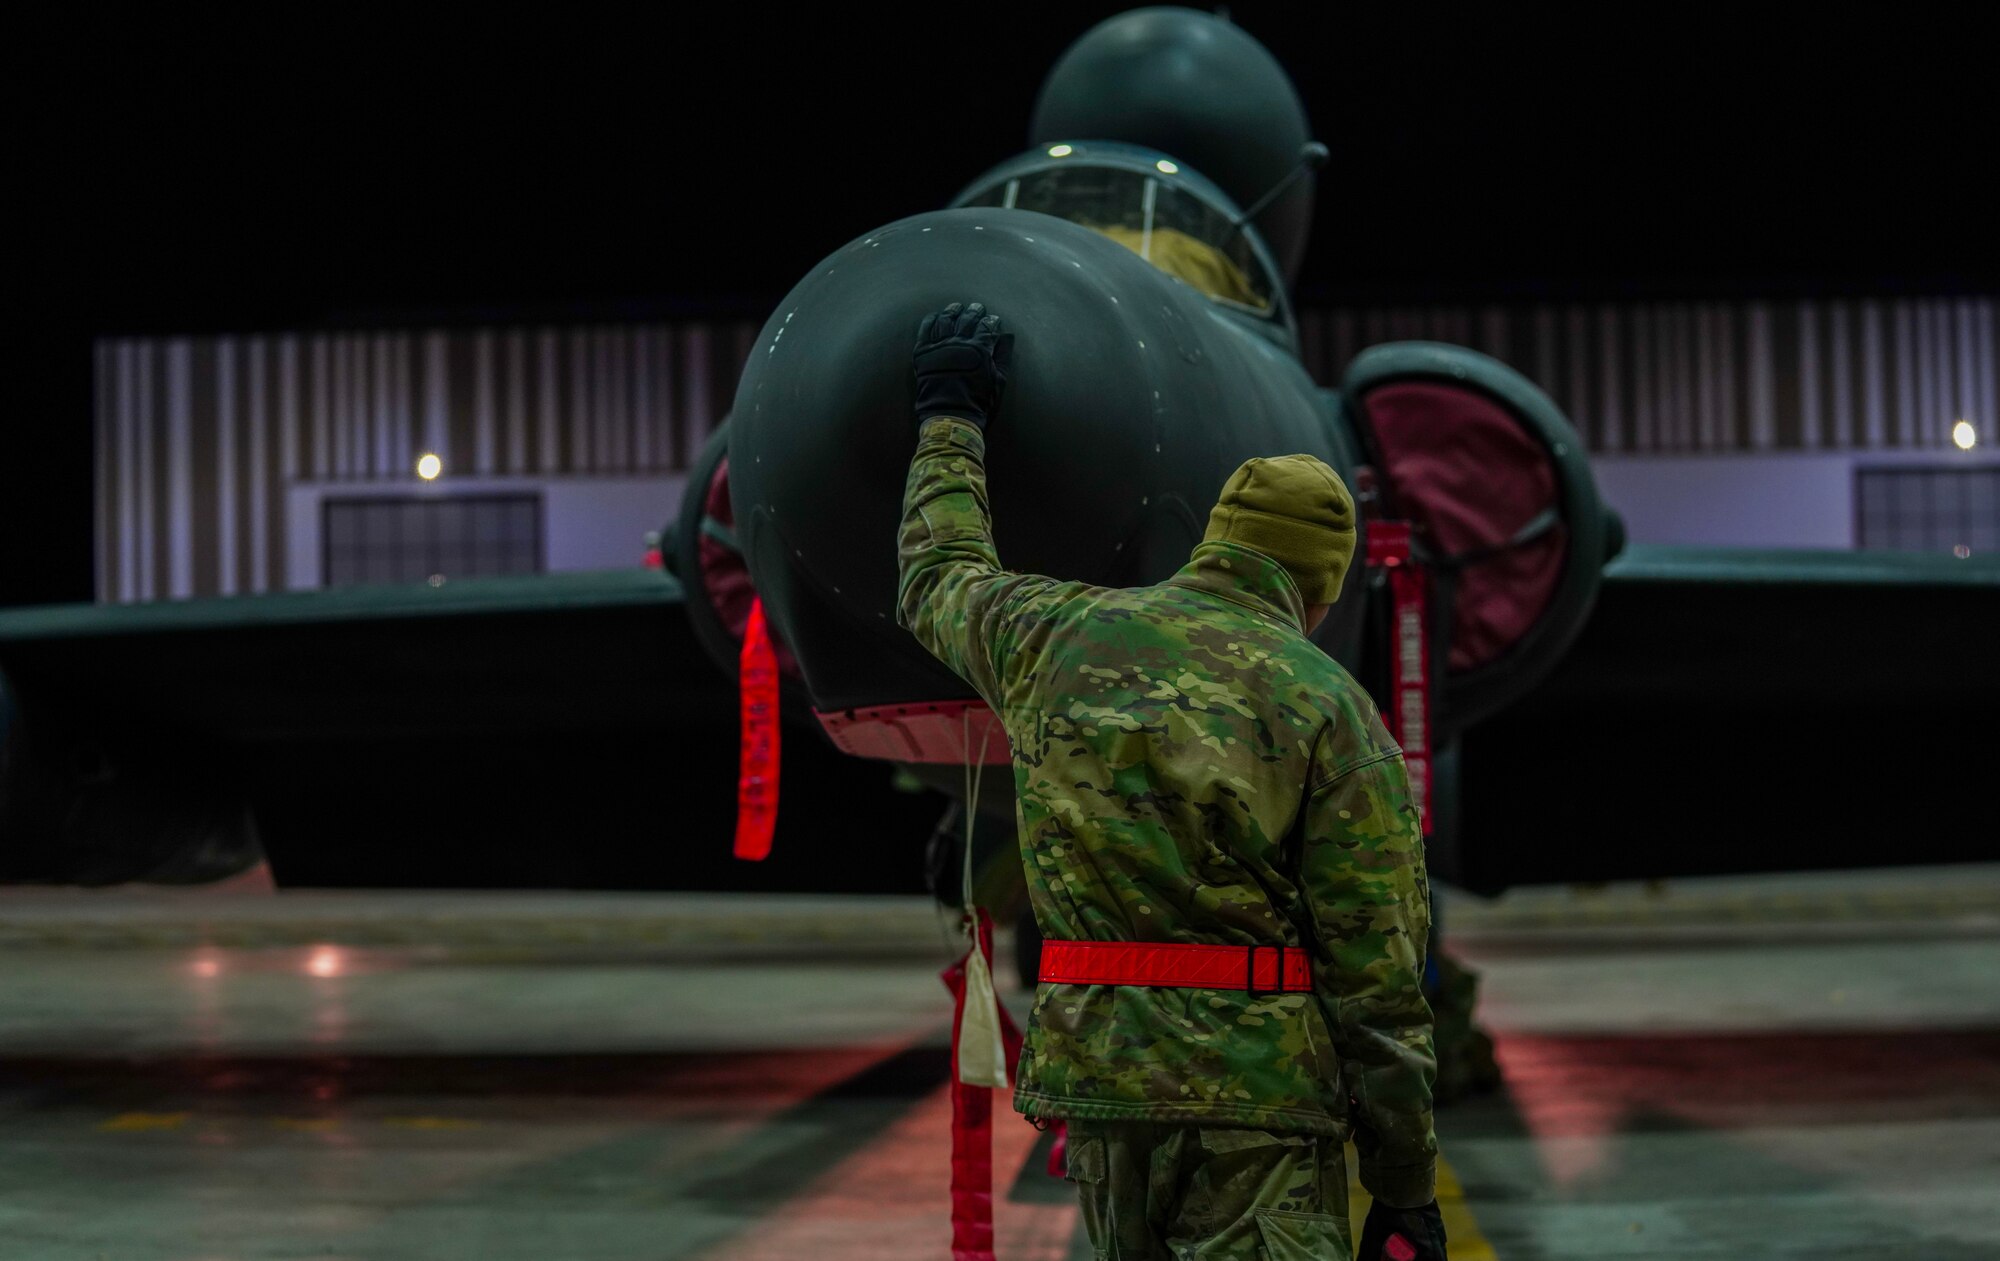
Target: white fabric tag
x,y
982,1054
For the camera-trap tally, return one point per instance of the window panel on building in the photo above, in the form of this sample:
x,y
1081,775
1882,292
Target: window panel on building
x,y
1928,509
396,539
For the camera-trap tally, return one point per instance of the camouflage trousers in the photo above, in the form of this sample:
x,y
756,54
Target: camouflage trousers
x,y
1155,1192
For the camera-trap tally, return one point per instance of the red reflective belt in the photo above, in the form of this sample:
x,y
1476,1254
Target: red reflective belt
x,y
1409,709
1258,969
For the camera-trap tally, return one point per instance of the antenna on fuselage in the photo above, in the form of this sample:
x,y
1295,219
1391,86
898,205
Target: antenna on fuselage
x,y
1312,156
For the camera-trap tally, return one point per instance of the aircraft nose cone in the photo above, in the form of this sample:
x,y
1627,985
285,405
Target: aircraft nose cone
x,y
822,432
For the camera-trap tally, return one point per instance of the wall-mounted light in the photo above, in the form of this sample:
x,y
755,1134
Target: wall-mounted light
x,y
1964,436
429,466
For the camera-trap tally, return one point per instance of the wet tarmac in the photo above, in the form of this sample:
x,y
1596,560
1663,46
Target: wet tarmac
x,y
1785,1068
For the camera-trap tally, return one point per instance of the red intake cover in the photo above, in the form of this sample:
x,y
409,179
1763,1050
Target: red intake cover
x,y
725,577
1470,477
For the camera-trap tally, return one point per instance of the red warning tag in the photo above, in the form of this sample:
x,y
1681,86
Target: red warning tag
x,y
757,776
1407,709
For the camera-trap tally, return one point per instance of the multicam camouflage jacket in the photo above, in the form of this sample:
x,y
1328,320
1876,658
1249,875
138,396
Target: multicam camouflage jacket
x,y
1189,767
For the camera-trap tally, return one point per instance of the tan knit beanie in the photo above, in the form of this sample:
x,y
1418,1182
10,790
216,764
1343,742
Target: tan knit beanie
x,y
1295,510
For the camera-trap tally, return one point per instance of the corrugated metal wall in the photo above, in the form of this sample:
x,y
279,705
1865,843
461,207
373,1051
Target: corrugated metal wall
x,y
1685,377
197,438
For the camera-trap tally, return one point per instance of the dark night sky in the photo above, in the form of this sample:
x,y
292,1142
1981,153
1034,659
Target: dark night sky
x,y
191,169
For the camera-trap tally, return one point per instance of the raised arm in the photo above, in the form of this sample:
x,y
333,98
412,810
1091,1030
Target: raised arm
x,y
1362,872
953,595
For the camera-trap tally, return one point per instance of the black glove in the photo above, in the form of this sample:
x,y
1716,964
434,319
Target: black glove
x,y
1402,1234
961,364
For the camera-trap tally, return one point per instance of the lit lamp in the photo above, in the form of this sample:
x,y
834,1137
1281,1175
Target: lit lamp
x,y
429,466
1964,437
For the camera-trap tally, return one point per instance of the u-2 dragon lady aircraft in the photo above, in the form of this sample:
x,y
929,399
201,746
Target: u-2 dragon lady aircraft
x,y
1593,711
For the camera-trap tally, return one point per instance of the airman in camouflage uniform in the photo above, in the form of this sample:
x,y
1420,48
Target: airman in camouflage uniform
x,y
1189,767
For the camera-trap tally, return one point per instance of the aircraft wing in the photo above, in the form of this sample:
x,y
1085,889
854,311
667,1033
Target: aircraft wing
x,y
1739,710
479,654
560,730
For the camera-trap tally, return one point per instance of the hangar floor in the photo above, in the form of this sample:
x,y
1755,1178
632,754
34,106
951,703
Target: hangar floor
x,y
1772,1068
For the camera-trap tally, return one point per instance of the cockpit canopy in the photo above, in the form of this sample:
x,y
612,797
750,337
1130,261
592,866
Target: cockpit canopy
x,y
1149,205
